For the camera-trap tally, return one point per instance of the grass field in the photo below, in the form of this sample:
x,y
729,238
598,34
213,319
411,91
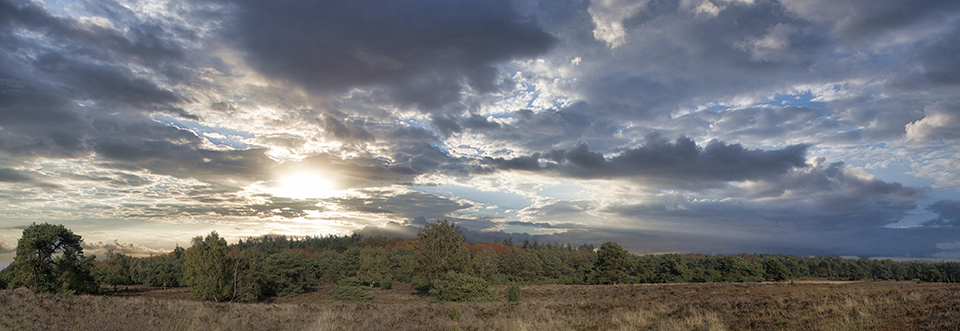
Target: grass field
x,y
805,305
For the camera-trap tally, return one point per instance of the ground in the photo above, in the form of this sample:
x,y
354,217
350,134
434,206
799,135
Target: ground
x,y
800,305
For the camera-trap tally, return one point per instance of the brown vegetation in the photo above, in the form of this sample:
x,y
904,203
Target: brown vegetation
x,y
707,306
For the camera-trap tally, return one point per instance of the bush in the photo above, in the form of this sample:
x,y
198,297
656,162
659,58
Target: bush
x,y
350,290
513,293
289,273
387,283
462,287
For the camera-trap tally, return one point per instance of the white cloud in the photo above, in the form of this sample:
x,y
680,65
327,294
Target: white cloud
x,y
941,121
101,249
608,16
773,46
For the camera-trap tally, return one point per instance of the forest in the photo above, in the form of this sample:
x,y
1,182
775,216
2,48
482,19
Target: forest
x,y
440,261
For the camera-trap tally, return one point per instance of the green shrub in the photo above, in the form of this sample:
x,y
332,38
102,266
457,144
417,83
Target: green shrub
x,y
387,283
513,293
350,290
462,287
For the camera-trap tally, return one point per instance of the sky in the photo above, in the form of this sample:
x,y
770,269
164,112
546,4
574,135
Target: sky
x,y
814,127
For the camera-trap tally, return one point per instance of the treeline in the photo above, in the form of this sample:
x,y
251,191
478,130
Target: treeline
x,y
255,268
288,265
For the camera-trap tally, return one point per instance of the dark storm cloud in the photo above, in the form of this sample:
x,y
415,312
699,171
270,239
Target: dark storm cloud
x,y
821,197
859,18
104,83
771,122
175,152
13,176
406,207
29,178
67,89
346,131
418,49
547,130
135,41
681,161
941,64
948,214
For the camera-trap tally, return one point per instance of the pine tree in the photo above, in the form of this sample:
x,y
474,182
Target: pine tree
x,y
50,259
612,264
207,269
441,250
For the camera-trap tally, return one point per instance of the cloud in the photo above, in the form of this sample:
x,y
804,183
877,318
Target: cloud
x,y
608,16
938,124
679,163
418,50
101,248
867,18
503,116
948,211
6,247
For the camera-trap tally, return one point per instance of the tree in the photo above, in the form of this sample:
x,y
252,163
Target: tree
x,y
612,264
737,269
441,250
50,259
522,265
776,270
374,265
207,269
674,269
486,263
115,270
289,273
161,271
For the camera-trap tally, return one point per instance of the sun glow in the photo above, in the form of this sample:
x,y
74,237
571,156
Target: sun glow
x,y
303,186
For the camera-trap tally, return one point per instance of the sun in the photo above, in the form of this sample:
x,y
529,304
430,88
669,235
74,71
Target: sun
x,y
303,186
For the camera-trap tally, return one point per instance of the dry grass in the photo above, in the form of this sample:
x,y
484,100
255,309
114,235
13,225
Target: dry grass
x,y
716,306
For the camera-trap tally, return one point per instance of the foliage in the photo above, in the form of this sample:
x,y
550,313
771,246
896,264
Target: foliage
x,y
673,269
207,269
462,287
160,271
485,262
50,259
738,269
513,293
350,290
612,264
349,263
115,270
374,265
776,271
247,278
441,250
5,275
522,265
386,283
277,243
289,273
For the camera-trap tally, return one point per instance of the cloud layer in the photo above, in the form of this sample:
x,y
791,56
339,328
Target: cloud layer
x,y
804,127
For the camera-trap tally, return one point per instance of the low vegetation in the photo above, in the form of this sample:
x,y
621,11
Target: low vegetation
x,y
805,305
439,281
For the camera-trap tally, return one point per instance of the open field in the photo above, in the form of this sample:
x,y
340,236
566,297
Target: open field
x,y
805,305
